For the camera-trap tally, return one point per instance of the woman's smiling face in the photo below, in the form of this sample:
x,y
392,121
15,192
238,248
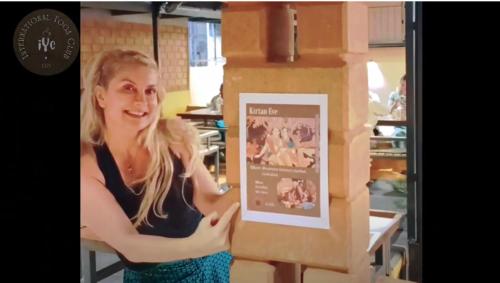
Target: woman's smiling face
x,y
130,99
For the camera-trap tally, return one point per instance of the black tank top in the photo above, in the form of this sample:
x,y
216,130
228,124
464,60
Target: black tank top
x,y
181,221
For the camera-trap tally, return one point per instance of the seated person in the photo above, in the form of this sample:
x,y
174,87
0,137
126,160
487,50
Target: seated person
x,y
397,106
217,101
397,101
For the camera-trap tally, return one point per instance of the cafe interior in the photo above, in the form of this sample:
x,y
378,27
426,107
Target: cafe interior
x,y
186,39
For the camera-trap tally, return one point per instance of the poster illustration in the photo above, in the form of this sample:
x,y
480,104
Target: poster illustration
x,y
284,159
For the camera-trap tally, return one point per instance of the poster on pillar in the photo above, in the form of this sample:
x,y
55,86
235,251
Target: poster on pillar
x,y
284,159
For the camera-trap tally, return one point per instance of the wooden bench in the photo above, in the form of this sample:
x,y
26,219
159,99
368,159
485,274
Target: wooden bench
x,y
383,226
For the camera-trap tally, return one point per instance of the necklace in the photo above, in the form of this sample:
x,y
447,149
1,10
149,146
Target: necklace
x,y
131,173
130,170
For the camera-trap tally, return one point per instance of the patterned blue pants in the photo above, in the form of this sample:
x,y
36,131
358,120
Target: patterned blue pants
x,y
213,268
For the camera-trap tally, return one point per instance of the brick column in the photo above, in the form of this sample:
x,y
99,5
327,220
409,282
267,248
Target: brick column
x,y
332,40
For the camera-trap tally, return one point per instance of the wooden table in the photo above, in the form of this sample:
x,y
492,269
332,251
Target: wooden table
x,y
383,226
383,159
398,123
205,114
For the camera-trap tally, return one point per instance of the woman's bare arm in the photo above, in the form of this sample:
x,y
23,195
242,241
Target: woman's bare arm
x,y
104,217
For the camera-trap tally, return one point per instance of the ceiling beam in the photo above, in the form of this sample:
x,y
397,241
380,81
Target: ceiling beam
x,y
195,10
138,7
192,12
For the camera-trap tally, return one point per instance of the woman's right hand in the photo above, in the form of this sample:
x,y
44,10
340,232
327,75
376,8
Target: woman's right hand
x,y
212,234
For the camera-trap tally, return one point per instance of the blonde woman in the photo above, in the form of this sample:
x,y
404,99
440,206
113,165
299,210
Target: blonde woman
x,y
141,177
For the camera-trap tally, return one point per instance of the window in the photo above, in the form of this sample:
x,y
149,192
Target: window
x,y
204,44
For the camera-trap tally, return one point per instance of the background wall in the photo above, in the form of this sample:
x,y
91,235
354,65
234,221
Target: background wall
x,y
392,64
100,31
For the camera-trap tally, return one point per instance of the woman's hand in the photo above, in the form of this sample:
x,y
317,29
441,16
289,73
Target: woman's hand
x,y
212,234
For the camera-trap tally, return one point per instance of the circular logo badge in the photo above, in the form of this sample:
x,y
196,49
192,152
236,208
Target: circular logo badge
x,y
46,42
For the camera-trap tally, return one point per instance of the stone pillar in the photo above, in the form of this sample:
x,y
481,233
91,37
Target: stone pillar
x,y
332,40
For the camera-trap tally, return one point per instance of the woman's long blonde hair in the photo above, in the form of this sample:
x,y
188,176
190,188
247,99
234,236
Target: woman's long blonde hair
x,y
156,137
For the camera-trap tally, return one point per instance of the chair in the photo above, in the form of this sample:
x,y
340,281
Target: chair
x,y
209,150
219,141
196,123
